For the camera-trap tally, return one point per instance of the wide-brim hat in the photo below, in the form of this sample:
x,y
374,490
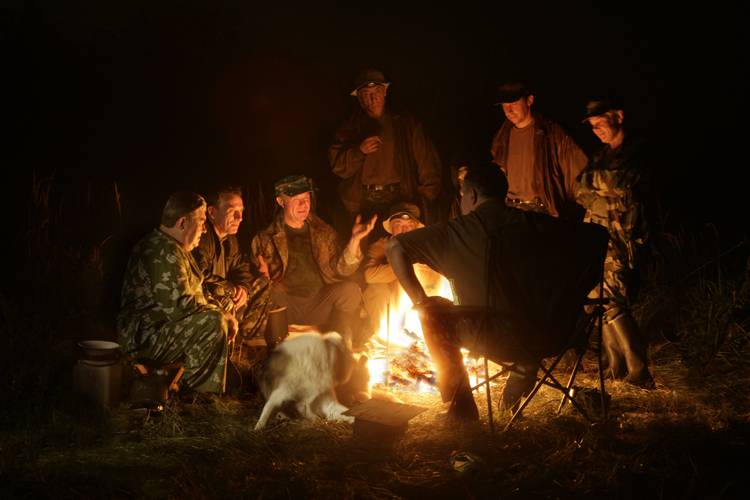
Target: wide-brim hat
x,y
512,91
403,211
598,107
293,185
369,78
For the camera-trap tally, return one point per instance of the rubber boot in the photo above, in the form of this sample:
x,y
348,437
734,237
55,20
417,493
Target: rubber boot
x,y
614,352
277,327
634,349
518,386
345,323
463,407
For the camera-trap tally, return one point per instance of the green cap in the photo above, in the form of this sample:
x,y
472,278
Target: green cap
x,y
293,185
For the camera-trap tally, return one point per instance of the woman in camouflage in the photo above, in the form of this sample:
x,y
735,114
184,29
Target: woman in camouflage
x,y
610,188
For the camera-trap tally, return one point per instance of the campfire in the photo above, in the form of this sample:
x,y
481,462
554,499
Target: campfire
x,y
399,358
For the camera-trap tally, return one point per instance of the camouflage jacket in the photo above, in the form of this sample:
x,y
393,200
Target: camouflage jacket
x,y
224,267
611,189
327,251
162,284
557,162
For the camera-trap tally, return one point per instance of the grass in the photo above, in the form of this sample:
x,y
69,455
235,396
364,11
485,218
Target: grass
x,y
688,438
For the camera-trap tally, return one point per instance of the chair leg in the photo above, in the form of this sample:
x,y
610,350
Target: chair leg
x,y
573,374
489,397
553,383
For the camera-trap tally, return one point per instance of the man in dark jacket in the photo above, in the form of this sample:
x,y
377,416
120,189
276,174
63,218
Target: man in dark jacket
x,y
540,161
383,157
229,278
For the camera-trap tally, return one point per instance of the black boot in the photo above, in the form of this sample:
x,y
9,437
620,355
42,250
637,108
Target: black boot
x,y
463,407
277,327
345,323
519,385
613,351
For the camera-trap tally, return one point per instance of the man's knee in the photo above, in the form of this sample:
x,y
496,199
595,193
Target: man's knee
x,y
278,295
213,326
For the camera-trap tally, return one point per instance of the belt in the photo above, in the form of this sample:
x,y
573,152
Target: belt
x,y
535,205
518,201
384,187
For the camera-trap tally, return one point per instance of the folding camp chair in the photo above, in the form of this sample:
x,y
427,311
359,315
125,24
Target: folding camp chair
x,y
557,264
539,276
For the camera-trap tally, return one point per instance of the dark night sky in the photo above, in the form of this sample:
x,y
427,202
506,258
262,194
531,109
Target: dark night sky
x,y
163,96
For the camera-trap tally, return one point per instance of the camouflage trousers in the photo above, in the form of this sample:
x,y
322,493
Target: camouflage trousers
x,y
199,341
620,283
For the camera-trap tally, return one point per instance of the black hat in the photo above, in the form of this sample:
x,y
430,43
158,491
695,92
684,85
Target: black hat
x,y
597,107
369,78
402,210
513,91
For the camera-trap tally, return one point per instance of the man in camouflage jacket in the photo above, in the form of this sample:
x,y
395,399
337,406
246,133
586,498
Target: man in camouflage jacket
x,y
229,280
164,316
305,263
611,189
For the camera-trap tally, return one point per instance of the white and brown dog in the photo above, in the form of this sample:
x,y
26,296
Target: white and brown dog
x,y
304,373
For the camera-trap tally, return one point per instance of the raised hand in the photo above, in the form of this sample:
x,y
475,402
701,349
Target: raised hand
x,y
360,230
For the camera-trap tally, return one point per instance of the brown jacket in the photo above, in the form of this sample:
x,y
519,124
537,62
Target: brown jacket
x,y
557,162
416,158
327,252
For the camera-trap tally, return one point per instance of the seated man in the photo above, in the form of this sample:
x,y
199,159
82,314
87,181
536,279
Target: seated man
x,y
305,263
382,285
457,250
164,316
229,281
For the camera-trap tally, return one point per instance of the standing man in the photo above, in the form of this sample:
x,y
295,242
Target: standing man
x,y
164,316
305,263
229,281
383,157
540,161
613,189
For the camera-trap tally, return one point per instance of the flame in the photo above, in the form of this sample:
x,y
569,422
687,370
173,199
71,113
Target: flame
x,y
401,356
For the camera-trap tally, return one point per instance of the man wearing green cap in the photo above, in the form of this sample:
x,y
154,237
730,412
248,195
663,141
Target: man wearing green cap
x,y
306,264
383,157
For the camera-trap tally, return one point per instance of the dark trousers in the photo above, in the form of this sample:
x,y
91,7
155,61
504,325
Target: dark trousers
x,y
335,306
